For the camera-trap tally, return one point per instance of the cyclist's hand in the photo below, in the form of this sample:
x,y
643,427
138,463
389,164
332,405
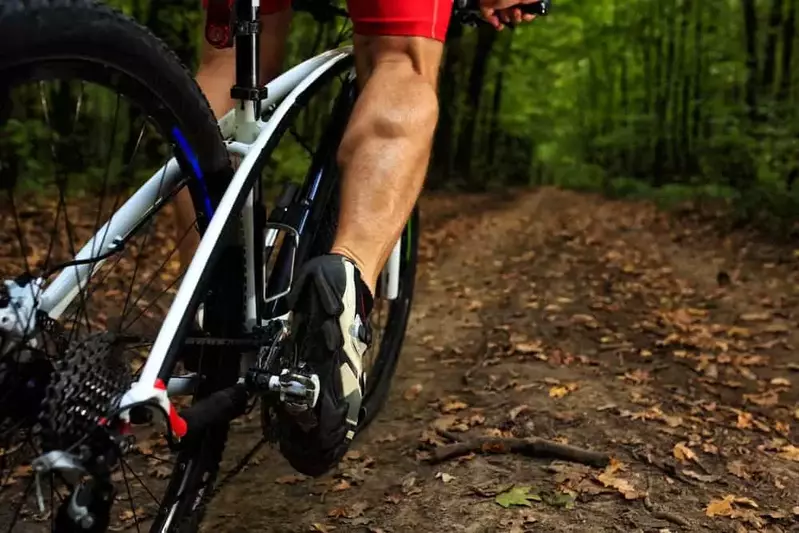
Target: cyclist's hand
x,y
501,12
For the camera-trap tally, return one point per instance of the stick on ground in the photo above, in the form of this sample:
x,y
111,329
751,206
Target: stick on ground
x,y
530,447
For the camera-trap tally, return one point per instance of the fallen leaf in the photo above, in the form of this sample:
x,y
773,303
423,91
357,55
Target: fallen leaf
x,y
622,485
452,407
726,506
561,391
528,347
766,399
683,453
700,477
322,528
337,512
518,495
744,420
755,317
738,469
413,392
780,382
443,476
789,452
341,485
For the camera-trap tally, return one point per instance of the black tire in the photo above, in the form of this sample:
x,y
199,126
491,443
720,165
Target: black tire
x,y
378,382
46,38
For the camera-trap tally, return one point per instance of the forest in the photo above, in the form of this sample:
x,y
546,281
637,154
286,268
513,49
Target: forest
x,y
671,99
678,98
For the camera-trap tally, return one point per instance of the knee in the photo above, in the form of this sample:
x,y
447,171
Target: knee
x,y
397,103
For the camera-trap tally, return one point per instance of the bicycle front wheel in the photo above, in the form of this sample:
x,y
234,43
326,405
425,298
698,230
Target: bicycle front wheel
x,y
91,104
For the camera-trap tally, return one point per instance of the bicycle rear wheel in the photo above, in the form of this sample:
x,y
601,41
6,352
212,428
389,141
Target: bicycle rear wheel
x,y
58,64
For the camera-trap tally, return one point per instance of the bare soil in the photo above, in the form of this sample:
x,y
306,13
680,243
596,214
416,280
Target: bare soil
x,y
606,325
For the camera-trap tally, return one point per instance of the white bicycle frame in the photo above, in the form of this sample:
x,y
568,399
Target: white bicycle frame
x,y
248,136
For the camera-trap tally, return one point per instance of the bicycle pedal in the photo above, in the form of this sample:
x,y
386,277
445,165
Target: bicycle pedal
x,y
297,390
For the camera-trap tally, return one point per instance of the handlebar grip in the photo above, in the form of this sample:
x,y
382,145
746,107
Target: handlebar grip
x,y
540,8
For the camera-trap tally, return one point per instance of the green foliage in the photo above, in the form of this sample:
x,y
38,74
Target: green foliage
x,y
671,99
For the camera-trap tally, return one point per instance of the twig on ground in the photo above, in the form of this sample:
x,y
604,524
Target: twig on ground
x,y
454,437
665,515
532,447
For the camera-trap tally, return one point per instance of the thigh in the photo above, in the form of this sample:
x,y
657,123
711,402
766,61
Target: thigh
x,y
410,18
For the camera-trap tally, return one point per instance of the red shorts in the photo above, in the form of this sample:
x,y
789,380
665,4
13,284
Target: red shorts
x,y
416,18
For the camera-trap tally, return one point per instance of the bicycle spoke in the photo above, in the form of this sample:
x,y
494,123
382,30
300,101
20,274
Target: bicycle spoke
x,y
141,250
106,173
155,300
158,270
145,487
59,182
20,505
130,495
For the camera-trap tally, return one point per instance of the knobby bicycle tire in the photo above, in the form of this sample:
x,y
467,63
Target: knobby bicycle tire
x,y
41,39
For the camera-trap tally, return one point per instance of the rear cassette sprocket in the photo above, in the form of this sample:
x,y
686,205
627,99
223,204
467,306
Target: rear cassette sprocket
x,y
86,388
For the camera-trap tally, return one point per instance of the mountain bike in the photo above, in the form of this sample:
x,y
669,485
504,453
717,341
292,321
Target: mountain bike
x,y
85,364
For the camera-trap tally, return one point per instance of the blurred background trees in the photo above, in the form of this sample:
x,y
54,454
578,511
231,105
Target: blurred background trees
x,y
669,98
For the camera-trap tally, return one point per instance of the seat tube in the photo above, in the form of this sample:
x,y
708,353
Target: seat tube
x,y
246,89
247,37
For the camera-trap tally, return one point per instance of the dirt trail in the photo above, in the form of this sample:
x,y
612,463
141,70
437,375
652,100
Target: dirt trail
x,y
603,324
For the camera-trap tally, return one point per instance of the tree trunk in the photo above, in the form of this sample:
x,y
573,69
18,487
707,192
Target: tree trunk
x,y
770,51
788,36
445,132
750,27
486,37
494,131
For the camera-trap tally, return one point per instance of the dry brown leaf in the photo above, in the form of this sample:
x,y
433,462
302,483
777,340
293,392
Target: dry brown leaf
x,y
683,453
765,399
727,507
789,452
451,407
341,484
755,317
443,476
608,479
562,390
528,347
738,469
705,478
322,528
337,512
744,420
413,392
781,382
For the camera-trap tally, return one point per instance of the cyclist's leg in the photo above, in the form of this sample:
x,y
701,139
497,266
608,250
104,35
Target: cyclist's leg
x,y
386,148
383,159
216,76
